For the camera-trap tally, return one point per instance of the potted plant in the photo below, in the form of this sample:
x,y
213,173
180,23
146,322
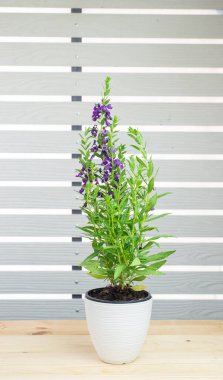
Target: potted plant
x,y
119,196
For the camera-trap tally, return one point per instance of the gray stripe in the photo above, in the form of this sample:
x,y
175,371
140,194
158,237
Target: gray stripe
x,y
187,310
144,55
68,198
69,142
152,4
132,26
77,282
64,170
65,225
74,253
74,309
77,113
90,84
23,310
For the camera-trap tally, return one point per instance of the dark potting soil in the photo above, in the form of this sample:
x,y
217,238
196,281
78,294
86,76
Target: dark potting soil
x,y
115,293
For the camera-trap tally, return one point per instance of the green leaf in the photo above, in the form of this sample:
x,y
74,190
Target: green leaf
x,y
150,185
140,161
89,258
156,266
139,278
150,169
135,147
109,247
138,288
118,270
97,276
163,194
158,216
159,256
93,267
135,262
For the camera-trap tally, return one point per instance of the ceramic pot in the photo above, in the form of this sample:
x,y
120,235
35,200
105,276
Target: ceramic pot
x,y
118,328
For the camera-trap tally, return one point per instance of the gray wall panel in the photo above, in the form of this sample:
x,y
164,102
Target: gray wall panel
x,y
69,198
139,55
154,55
74,309
78,113
131,26
69,142
66,225
144,4
35,309
90,84
64,170
73,253
79,282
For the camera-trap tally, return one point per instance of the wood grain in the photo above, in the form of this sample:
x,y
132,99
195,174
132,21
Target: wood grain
x,y
79,327
185,356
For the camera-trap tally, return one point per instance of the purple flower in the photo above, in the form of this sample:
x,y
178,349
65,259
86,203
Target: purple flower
x,y
94,131
104,132
105,162
94,148
117,162
96,112
81,190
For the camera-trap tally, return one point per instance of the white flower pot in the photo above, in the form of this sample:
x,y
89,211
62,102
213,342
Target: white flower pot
x,y
118,328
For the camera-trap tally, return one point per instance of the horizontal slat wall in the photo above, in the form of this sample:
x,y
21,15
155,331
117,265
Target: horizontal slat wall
x,y
144,4
64,170
65,225
112,55
89,84
183,47
75,252
68,198
78,282
138,113
68,142
131,26
74,309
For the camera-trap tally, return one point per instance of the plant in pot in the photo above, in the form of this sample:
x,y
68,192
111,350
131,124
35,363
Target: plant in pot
x,y
118,199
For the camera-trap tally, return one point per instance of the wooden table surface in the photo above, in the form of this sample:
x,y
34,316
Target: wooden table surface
x,y
60,350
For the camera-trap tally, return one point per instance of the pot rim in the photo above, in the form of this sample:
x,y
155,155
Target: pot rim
x,y
87,296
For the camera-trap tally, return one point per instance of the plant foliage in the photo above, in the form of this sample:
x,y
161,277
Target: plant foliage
x,y
119,197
